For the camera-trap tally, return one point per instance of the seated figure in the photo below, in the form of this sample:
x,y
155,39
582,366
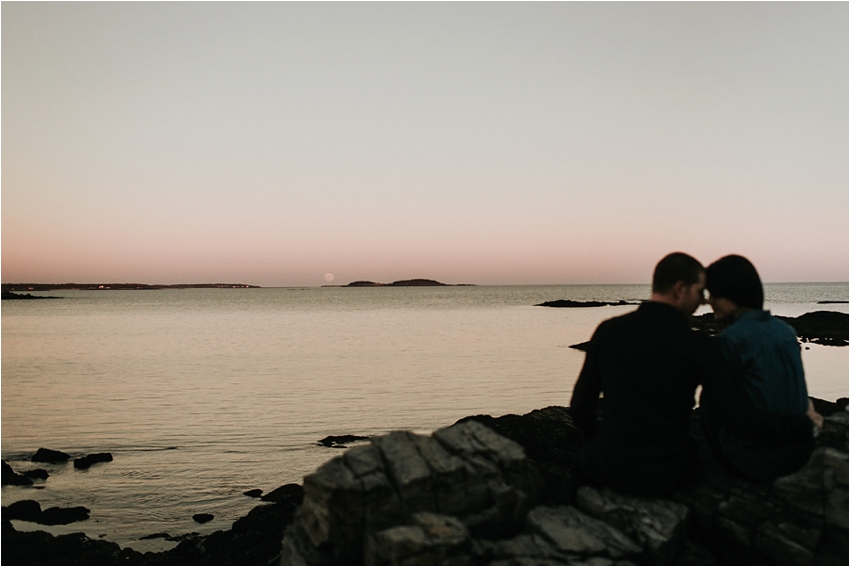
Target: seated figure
x,y
763,357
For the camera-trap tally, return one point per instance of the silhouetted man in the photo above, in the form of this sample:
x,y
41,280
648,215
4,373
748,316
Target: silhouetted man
x,y
648,364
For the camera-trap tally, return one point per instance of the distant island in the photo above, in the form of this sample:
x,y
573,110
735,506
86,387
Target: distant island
x,y
399,283
9,287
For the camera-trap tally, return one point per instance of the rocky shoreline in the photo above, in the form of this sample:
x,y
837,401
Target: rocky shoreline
x,y
828,328
497,491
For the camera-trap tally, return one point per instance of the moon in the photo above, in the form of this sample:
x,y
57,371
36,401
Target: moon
x,y
329,277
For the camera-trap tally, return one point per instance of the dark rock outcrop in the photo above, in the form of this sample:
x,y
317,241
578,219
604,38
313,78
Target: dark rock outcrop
x,y
94,458
30,511
42,548
253,493
341,441
288,493
819,327
572,303
9,295
49,456
203,518
10,477
160,535
252,540
61,516
39,474
27,510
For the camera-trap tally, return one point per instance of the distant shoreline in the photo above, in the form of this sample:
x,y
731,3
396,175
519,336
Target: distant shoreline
x,y
117,286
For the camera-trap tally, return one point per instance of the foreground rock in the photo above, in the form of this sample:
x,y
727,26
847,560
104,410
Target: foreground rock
x,y
467,495
800,519
466,471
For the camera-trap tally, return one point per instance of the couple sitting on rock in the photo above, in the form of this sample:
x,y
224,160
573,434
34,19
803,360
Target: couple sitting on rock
x,y
647,364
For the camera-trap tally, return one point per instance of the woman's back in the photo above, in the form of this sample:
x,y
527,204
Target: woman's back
x,y
764,357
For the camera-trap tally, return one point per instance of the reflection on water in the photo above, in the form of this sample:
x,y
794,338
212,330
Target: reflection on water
x,y
203,394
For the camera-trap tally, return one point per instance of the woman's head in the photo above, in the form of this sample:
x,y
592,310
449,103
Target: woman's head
x,y
733,279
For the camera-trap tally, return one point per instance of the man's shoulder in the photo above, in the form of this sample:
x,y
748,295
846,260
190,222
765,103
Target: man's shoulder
x,y
619,321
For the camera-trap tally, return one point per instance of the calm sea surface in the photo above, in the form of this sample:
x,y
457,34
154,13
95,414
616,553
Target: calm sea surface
x,y
201,395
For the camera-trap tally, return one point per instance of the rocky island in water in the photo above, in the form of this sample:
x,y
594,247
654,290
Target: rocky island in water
x,y
419,282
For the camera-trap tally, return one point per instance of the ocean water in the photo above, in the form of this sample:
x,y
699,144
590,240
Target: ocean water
x,y
202,394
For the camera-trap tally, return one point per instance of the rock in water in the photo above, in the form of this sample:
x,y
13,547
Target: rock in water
x,y
10,477
40,474
286,493
26,510
340,441
203,518
89,460
61,516
30,511
49,456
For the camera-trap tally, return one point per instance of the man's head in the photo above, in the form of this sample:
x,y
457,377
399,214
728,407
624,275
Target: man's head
x,y
679,280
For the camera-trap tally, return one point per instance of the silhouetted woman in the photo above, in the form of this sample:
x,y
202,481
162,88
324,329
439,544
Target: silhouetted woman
x,y
763,355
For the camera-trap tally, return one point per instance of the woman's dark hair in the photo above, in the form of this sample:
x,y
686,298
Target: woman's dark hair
x,y
735,278
675,267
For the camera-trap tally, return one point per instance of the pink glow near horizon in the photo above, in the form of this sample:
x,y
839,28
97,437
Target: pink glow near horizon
x,y
273,144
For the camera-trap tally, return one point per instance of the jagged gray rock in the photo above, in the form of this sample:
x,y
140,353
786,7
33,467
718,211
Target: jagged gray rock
x,y
460,496
575,533
432,539
467,495
465,473
657,525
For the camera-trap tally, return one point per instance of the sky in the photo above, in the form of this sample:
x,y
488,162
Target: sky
x,y
282,144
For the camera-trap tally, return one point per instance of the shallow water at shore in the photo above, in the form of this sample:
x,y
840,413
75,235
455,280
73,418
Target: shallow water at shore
x,y
203,394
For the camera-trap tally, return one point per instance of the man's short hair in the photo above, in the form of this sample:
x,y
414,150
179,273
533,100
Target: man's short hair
x,y
673,268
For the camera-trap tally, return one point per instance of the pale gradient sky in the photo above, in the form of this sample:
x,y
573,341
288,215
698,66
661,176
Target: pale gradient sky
x,y
489,143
